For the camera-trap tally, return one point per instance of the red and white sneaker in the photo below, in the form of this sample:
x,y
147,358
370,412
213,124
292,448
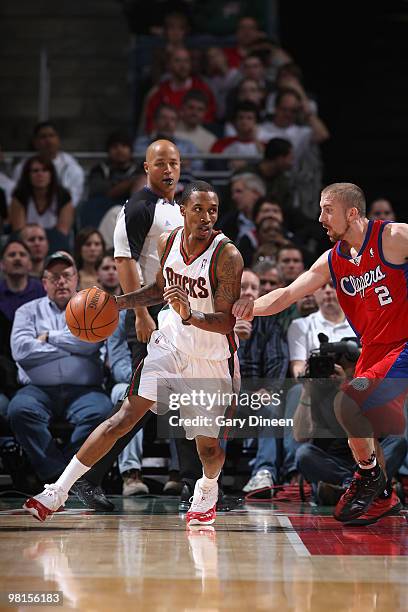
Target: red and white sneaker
x,y
378,509
202,509
46,503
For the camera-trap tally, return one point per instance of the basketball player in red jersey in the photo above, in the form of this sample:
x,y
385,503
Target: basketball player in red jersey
x,y
369,269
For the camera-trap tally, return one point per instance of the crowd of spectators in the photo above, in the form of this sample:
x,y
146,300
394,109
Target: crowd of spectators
x,y
243,109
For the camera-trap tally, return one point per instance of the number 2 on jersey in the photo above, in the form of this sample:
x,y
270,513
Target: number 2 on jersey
x,y
383,295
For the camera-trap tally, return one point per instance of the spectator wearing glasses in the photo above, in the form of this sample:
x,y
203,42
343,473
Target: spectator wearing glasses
x,y
381,209
61,375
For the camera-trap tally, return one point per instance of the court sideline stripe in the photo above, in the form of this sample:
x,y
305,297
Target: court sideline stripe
x,y
293,536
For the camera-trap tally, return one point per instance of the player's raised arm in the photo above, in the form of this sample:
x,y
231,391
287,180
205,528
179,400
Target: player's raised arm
x,y
150,295
279,299
229,271
395,243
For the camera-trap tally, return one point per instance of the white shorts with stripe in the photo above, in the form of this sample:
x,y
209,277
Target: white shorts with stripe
x,y
167,370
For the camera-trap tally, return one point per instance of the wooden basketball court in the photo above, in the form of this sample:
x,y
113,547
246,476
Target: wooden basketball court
x,y
261,557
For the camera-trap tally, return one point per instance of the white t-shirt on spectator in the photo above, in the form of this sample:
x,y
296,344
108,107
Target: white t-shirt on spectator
x,y
7,185
70,174
47,219
303,334
299,135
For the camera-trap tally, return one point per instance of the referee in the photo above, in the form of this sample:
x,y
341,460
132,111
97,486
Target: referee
x,y
144,217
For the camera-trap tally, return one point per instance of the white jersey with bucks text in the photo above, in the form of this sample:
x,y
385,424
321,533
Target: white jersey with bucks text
x,y
198,277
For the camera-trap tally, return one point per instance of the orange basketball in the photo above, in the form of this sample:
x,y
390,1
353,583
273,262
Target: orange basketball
x,y
92,315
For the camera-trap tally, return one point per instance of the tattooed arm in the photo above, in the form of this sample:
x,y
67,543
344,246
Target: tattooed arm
x,y
229,272
150,295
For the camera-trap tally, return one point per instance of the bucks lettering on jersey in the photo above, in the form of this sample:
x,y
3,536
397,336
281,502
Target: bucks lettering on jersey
x,y
198,277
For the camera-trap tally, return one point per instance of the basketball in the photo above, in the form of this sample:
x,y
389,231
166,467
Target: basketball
x,y
92,315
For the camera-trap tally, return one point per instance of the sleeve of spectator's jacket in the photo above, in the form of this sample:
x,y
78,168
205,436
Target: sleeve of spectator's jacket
x,y
275,354
76,182
25,347
119,354
297,341
63,339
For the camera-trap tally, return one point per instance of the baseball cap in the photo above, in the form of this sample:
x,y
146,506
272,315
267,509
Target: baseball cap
x,y
59,256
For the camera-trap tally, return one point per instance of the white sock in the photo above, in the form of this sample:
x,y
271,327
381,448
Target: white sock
x,y
369,466
74,470
208,483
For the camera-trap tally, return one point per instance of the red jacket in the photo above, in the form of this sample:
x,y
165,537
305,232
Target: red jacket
x,y
165,94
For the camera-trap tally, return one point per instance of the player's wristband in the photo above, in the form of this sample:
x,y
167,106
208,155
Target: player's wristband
x,y
185,321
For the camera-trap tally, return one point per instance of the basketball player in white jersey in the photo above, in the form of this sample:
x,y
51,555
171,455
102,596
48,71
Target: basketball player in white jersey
x,y
200,279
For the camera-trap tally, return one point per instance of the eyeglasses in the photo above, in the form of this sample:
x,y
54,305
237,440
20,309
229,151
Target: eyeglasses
x,y
54,278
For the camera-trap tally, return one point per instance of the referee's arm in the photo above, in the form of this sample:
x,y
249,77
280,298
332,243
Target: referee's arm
x,y
128,238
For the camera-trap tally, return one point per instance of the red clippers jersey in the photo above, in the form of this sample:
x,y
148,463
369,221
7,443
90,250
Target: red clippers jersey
x,y
372,292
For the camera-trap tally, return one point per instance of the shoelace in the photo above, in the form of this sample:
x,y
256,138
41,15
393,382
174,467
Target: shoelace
x,y
202,500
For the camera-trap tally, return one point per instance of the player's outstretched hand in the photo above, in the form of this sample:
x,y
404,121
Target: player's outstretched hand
x,y
244,309
178,299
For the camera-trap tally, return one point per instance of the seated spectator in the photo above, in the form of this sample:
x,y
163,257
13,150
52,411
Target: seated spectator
x,y
220,77
245,143
327,463
89,250
252,67
270,232
172,90
246,188
115,177
248,90
289,105
274,169
269,207
289,77
192,113
269,277
263,355
381,209
290,265
38,198
47,143
175,31
305,139
62,376
35,237
120,362
246,33
16,286
165,125
107,275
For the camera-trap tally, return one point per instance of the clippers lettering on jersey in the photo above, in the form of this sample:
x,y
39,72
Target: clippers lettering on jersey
x,y
194,287
351,285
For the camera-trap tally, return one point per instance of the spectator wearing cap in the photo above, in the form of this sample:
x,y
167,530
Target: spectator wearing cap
x,y
61,375
35,237
46,141
114,178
